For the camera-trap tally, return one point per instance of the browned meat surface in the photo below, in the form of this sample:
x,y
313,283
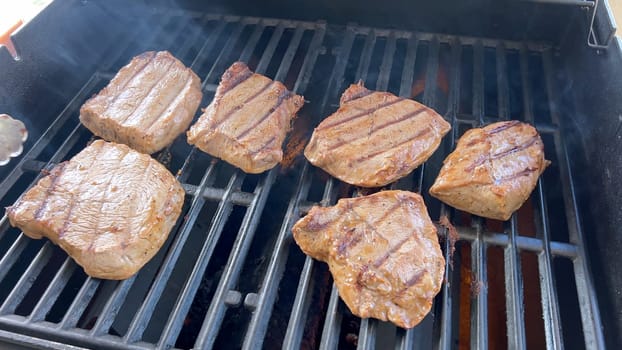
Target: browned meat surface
x,y
382,251
147,104
110,208
493,170
247,122
375,138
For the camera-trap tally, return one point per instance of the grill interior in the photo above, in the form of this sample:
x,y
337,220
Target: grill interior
x,y
230,275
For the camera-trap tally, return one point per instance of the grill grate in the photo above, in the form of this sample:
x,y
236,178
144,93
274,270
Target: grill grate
x,y
226,208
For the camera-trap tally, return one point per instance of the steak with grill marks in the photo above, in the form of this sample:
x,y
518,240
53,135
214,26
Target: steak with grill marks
x,y
248,120
147,104
109,207
375,138
382,251
493,170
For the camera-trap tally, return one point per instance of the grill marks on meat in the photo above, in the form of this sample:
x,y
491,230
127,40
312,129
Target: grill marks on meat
x,y
493,170
147,104
382,251
248,120
375,138
110,208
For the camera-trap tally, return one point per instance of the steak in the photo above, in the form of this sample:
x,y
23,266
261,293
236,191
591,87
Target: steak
x,y
147,104
382,251
493,170
247,121
375,138
109,207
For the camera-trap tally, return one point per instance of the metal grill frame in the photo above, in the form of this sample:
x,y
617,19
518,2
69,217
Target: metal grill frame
x,y
33,329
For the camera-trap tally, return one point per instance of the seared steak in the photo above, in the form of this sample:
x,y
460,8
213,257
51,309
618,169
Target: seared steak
x,y
147,104
375,138
493,170
382,251
109,207
247,122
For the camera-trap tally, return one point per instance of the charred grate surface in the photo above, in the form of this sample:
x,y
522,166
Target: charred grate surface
x,y
230,274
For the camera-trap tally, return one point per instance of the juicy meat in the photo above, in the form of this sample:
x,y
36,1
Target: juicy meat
x,y
493,170
109,207
147,104
247,122
382,251
375,138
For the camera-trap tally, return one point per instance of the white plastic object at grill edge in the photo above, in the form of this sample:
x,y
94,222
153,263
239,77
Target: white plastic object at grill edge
x,y
13,133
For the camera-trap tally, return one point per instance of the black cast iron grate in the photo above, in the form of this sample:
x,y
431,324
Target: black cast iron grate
x,y
231,276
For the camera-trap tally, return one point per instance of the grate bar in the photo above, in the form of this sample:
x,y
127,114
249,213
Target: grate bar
x,y
267,294
503,90
53,291
207,47
111,308
266,57
405,339
295,326
140,321
186,297
524,73
429,93
550,304
296,323
478,82
522,242
170,36
409,67
367,334
13,254
446,337
479,302
74,336
286,62
387,63
332,324
194,36
588,304
336,77
252,42
514,291
308,65
431,75
368,49
20,289
223,56
79,304
216,311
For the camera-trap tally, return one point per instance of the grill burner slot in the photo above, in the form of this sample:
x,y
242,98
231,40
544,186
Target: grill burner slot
x,y
230,274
